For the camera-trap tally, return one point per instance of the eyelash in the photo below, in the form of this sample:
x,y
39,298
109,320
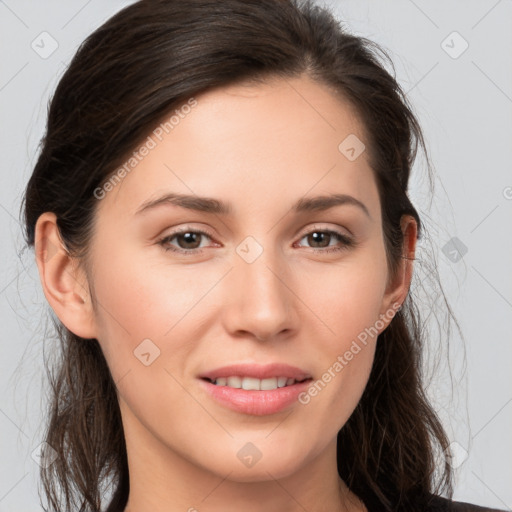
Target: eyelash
x,y
346,240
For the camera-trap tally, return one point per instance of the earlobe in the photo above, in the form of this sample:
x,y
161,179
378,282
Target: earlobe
x,y
64,282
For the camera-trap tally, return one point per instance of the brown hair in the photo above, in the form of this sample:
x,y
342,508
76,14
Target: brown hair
x,y
134,69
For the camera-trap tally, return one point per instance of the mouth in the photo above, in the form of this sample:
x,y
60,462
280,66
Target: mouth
x,y
256,389
255,384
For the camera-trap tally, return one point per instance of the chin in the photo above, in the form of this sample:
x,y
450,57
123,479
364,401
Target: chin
x,y
276,465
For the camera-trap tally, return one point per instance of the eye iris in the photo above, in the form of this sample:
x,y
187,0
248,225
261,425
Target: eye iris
x,y
317,236
190,238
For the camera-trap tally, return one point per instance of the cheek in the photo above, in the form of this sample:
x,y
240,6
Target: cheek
x,y
137,301
147,294
348,302
348,298
150,317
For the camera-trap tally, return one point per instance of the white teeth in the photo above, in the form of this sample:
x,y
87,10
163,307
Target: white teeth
x,y
234,382
251,383
268,384
282,381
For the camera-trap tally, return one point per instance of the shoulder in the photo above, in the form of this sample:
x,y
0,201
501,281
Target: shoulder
x,y
439,504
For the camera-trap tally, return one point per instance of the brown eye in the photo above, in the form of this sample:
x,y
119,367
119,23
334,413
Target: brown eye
x,y
188,241
319,237
321,240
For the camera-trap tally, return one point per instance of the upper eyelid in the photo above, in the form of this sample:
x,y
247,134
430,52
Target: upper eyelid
x,y
324,228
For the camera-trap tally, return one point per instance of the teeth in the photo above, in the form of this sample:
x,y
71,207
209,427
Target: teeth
x,y
250,383
268,384
234,382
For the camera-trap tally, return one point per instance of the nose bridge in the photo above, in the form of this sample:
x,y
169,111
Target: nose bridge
x,y
263,304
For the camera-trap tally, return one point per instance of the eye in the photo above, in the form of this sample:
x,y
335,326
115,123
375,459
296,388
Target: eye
x,y
189,241
323,238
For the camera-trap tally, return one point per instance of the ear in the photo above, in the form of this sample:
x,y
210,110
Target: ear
x,y
64,283
398,287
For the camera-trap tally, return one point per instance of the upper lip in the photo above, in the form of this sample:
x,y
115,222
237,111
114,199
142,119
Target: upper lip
x,y
257,371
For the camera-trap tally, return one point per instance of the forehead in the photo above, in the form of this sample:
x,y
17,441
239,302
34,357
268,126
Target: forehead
x,y
252,144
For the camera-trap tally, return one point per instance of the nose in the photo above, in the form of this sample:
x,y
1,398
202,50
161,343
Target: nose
x,y
259,299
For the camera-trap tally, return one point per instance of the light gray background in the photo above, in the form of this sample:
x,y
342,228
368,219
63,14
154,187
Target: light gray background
x,y
464,103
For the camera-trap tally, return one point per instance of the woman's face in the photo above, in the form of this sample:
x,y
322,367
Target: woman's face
x,y
270,283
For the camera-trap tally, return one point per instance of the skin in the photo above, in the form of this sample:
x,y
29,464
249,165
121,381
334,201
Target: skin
x,y
261,148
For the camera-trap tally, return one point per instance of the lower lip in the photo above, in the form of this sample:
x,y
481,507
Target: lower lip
x,y
258,403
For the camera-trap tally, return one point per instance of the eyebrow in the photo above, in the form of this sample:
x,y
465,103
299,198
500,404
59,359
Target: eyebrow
x,y
215,206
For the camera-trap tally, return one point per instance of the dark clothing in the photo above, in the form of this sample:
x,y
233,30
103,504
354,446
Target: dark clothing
x,y
442,504
439,504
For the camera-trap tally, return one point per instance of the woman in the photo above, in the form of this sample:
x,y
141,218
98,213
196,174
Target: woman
x,y
205,165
